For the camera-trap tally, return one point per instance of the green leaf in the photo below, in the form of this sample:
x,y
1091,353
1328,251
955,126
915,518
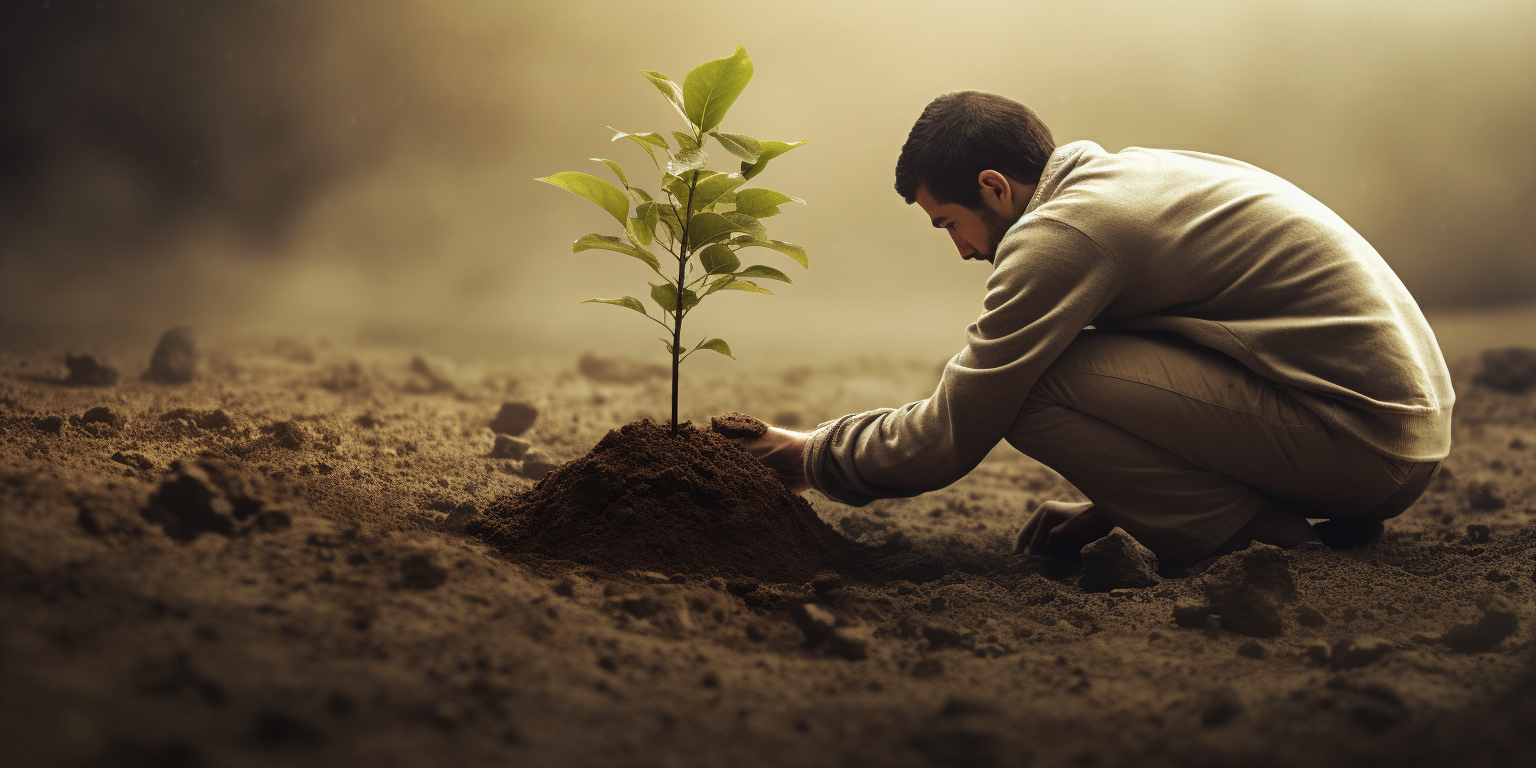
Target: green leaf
x,y
717,345
762,203
706,226
644,195
771,149
668,89
711,88
687,160
685,141
646,215
748,224
606,195
708,189
647,141
743,285
623,301
789,249
718,259
767,273
665,296
690,299
641,230
616,244
744,147
616,168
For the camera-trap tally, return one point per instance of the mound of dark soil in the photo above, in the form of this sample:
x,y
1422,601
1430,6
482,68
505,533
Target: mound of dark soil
x,y
691,503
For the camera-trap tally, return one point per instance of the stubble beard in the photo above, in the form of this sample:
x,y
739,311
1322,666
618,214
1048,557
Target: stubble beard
x,y
997,225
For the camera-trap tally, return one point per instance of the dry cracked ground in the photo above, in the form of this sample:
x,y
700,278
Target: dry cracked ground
x,y
266,566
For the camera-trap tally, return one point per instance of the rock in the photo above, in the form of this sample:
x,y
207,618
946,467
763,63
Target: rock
x,y
53,425
826,583
613,371
87,371
1221,707
421,571
851,643
215,419
939,636
1117,561
1251,649
514,419
536,465
1191,614
135,460
1307,616
460,517
175,358
815,621
1512,370
289,434
1478,534
1484,497
737,425
1353,652
1498,621
508,447
104,415
210,496
1247,588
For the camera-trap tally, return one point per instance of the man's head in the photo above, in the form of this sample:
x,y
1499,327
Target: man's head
x,y
971,161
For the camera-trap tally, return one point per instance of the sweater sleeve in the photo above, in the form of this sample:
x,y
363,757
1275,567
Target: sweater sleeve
x,y
1049,282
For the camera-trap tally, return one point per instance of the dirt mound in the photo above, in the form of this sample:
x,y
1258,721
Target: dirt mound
x,y
644,499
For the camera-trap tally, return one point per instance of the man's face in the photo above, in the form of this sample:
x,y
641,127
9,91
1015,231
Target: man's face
x,y
976,231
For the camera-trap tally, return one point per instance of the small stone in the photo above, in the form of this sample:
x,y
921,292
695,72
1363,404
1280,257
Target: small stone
x,y
514,419
87,371
53,425
826,583
1498,621
1117,561
288,434
104,415
135,460
1512,370
1517,444
1251,649
1478,534
1496,576
851,643
459,517
1352,652
1484,497
815,621
939,636
508,447
1191,614
1318,652
1307,616
1246,589
175,358
536,465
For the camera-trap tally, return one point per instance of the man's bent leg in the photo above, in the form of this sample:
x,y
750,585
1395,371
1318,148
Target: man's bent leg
x,y
1183,446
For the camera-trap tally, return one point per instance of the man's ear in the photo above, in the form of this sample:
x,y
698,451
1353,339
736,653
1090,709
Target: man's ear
x,y
995,186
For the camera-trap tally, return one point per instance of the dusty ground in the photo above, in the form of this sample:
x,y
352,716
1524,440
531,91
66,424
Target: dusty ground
x,y
345,621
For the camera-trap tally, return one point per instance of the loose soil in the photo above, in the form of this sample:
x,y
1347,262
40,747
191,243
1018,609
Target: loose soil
x,y
289,560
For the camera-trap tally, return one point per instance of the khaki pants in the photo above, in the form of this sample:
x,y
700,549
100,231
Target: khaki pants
x,y
1181,446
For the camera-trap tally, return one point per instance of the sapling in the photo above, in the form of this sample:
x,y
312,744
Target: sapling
x,y
701,218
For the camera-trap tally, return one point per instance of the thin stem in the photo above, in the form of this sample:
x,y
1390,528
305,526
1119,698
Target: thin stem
x,y
677,316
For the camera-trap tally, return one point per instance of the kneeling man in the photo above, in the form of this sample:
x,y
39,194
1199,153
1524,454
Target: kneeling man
x,y
1210,355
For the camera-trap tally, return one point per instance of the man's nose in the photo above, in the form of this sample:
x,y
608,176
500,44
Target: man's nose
x,y
965,249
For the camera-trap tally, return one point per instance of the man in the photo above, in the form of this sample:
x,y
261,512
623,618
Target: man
x,y
1251,362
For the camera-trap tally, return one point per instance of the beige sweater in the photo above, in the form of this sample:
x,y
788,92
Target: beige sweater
x,y
1214,250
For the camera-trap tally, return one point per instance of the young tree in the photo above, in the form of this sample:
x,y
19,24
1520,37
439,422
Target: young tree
x,y
701,218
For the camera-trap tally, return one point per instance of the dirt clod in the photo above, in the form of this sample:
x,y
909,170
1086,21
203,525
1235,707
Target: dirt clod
x,y
508,447
87,371
134,460
103,415
214,419
691,503
536,465
1191,614
53,425
1247,589
1512,370
1353,652
1499,620
175,358
1478,534
514,419
737,425
210,496
1117,561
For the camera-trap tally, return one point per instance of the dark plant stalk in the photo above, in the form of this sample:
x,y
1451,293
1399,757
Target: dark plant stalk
x,y
677,316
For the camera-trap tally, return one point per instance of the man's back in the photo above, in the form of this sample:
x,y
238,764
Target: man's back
x,y
1239,260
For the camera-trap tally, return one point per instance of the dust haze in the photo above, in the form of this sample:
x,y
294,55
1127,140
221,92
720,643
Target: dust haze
x,y
363,170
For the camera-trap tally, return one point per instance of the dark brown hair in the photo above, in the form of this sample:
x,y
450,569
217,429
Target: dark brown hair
x,y
961,134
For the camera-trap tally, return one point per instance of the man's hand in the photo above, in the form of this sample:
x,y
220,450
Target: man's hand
x,y
1060,529
782,451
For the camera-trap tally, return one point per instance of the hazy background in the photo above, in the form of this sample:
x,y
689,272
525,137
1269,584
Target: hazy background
x,y
363,169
